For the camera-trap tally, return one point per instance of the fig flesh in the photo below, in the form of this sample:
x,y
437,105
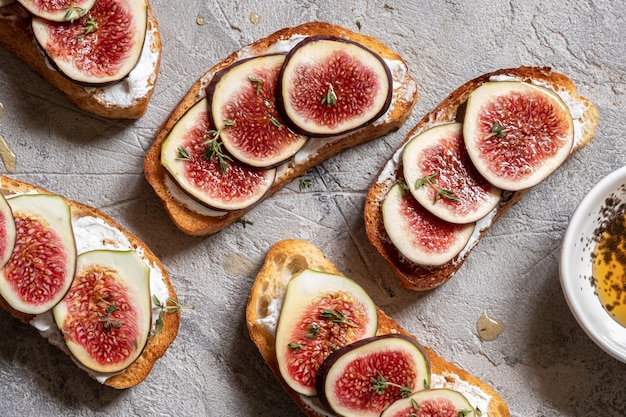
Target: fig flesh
x,y
105,318
420,236
365,377
99,48
440,402
244,95
7,231
58,10
330,86
192,156
41,267
321,313
443,180
517,133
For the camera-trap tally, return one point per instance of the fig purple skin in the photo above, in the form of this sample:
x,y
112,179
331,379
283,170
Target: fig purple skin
x,y
325,100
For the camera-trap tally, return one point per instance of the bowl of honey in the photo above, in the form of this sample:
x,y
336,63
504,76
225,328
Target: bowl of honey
x,y
593,264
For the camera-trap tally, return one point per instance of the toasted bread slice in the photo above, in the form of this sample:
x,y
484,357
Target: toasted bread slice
x,y
127,99
419,277
289,257
404,98
157,343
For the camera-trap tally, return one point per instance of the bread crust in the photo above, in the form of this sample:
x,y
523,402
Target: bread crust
x,y
288,257
157,344
421,278
192,223
16,36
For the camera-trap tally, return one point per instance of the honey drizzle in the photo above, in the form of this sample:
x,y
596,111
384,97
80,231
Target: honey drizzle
x,y
8,157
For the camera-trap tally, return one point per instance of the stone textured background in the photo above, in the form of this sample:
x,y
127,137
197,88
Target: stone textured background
x,y
543,364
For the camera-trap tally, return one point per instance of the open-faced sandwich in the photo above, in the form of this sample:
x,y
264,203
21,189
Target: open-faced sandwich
x,y
338,354
466,162
268,113
104,55
85,283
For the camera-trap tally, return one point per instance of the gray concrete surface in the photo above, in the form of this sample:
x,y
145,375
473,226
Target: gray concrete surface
x,y
543,364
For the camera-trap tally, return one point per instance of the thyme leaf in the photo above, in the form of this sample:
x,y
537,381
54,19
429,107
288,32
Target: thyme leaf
x,y
497,130
183,153
380,384
358,24
257,82
313,331
295,346
276,122
73,13
430,181
330,98
214,147
245,222
336,317
111,308
305,183
170,306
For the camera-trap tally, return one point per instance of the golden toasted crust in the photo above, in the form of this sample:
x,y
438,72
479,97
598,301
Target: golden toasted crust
x,y
404,98
16,36
417,277
158,344
288,257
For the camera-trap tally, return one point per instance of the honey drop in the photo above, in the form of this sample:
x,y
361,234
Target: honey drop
x,y
488,328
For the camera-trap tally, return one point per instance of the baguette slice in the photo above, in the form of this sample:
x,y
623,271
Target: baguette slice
x,y
418,277
404,98
288,257
127,99
157,344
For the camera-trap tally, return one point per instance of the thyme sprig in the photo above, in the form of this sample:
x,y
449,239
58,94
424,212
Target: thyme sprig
x,y
305,183
183,153
313,329
336,317
380,384
170,306
73,13
330,98
107,321
497,130
90,26
257,82
244,222
214,146
430,181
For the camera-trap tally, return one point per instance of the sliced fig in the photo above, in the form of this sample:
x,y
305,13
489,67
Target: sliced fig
x,y
330,86
517,133
58,10
441,176
321,313
193,157
440,402
99,48
365,377
242,103
41,267
105,318
7,231
419,235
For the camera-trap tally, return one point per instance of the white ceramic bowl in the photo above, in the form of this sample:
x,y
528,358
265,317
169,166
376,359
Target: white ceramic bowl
x,y
575,265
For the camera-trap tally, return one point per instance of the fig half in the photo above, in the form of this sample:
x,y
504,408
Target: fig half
x,y
440,402
517,133
192,155
105,318
441,177
329,86
244,96
418,235
41,267
58,10
321,313
99,48
365,377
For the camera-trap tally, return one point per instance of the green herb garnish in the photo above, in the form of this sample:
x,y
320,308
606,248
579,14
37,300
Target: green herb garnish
x,y
245,222
170,306
183,153
358,24
214,146
257,83
330,98
497,130
430,181
380,384
74,13
107,321
464,413
275,122
313,331
295,346
305,183
336,317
